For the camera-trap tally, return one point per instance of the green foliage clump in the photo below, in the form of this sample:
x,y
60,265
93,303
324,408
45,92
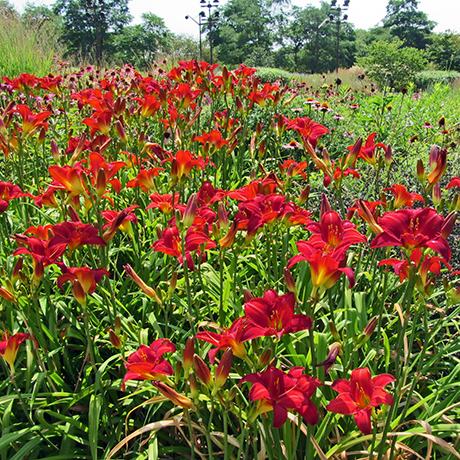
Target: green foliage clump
x,y
444,51
268,75
27,44
429,78
390,64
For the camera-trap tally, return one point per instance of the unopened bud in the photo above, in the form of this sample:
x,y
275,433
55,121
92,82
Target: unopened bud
x,y
334,331
173,395
114,339
222,216
304,195
172,283
6,295
190,211
247,295
55,151
436,194
189,351
290,283
223,369
202,371
121,132
264,358
17,268
193,384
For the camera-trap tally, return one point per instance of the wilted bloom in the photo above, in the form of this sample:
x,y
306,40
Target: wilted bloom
x,y
147,363
359,395
277,391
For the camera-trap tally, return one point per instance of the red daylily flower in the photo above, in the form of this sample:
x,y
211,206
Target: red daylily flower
x,y
254,188
212,139
171,243
325,269
103,173
145,179
31,123
359,395
99,122
163,202
183,162
8,192
70,179
42,252
308,130
403,197
232,337
208,194
118,220
429,264
273,314
147,363
332,234
411,229
9,346
277,391
367,151
76,234
83,279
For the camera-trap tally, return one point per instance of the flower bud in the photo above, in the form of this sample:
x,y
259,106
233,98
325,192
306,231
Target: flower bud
x,y
223,369
121,132
17,268
193,384
421,172
436,194
354,152
247,295
202,371
114,339
304,195
117,326
229,238
149,291
6,295
79,293
172,395
189,351
190,211
222,216
172,283
264,358
290,283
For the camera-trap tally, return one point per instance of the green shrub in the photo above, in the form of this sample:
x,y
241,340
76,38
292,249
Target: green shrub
x,y
429,78
392,65
267,75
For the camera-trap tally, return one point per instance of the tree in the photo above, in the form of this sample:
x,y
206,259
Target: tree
x,y
444,51
245,31
140,43
87,24
407,23
391,64
311,38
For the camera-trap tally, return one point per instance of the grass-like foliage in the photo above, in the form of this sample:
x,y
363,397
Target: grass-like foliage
x,y
195,264
25,47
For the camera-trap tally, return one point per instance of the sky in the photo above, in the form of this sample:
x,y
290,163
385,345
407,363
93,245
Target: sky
x,y
364,14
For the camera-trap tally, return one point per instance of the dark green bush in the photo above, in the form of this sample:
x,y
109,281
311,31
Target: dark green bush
x,y
428,78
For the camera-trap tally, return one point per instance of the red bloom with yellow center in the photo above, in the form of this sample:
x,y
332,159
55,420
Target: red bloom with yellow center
x,y
232,337
277,391
309,130
83,280
359,395
9,346
411,229
403,197
147,363
273,314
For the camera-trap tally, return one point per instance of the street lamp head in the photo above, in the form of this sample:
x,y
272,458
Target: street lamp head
x,y
346,3
203,2
186,17
202,14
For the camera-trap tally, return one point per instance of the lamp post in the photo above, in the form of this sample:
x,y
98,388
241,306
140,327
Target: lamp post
x,y
200,24
336,16
210,5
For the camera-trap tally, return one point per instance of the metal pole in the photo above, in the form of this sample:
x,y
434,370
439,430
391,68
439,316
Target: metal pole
x,y
337,48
